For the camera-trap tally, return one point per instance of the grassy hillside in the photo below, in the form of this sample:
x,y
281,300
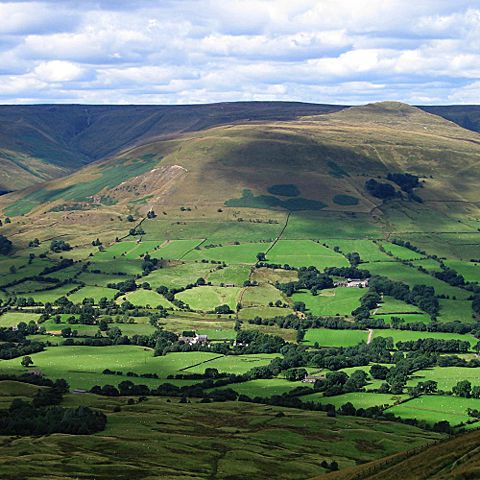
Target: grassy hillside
x,y
453,458
40,142
327,159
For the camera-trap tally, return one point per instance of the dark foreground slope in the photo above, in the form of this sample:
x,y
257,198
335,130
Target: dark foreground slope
x,y
457,458
40,142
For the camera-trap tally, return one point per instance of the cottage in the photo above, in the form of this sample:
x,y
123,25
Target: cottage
x,y
313,378
194,340
352,283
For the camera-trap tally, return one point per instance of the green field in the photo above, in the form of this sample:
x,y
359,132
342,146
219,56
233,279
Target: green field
x,y
357,399
336,301
266,388
233,274
82,366
206,298
305,253
367,249
245,253
179,275
408,335
435,408
335,338
447,377
233,363
142,298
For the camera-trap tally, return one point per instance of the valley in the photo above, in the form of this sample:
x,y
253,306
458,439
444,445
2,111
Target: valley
x,y
299,291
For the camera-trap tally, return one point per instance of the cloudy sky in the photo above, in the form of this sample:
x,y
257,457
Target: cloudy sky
x,y
197,51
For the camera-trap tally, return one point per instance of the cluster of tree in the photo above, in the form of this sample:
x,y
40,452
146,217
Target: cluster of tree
x,y
14,344
309,278
336,383
476,304
124,287
447,327
23,418
149,264
410,246
435,345
423,296
58,246
406,181
450,276
381,190
5,245
250,341
348,272
464,388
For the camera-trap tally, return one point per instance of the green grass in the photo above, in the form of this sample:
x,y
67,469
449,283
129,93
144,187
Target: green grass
x,y
82,366
235,274
335,338
407,318
52,295
92,292
305,253
175,249
335,301
142,298
435,408
12,319
261,296
358,399
219,334
237,364
266,388
407,335
206,298
403,273
447,377
179,275
245,253
469,270
249,313
451,310
391,305
400,252
161,439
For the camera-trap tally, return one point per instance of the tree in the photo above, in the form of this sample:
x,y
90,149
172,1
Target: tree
x,y
261,257
223,309
462,389
59,246
300,335
5,245
130,218
295,374
299,306
379,372
27,361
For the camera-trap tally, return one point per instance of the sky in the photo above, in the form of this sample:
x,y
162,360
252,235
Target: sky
x,y
204,51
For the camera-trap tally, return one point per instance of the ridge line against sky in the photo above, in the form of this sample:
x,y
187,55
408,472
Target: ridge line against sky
x,y
204,51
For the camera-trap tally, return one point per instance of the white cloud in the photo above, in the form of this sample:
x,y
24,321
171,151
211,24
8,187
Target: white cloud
x,y
58,71
341,51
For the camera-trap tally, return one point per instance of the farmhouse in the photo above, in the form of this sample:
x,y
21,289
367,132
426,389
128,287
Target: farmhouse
x,y
194,340
313,378
352,283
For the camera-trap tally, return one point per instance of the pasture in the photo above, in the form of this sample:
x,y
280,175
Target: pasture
x,y
207,297
305,253
446,377
435,408
335,338
336,301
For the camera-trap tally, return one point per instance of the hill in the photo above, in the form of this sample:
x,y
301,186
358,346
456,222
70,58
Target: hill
x,y
327,158
41,142
454,458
